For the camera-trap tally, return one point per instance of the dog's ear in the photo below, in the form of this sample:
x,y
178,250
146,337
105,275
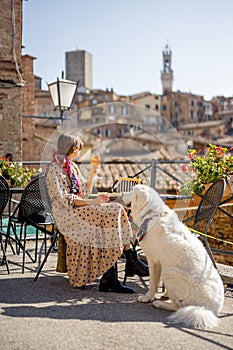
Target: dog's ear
x,y
140,197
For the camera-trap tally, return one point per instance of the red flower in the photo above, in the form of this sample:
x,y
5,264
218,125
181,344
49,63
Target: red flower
x,y
219,151
184,168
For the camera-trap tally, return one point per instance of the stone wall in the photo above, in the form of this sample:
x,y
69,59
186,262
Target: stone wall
x,y
28,93
10,78
28,109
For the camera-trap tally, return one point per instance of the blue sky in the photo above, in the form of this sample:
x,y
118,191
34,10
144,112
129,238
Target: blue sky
x,y
126,39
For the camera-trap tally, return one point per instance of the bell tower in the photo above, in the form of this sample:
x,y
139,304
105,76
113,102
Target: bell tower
x,y
167,72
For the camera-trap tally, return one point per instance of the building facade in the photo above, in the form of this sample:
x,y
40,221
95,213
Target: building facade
x,y
187,112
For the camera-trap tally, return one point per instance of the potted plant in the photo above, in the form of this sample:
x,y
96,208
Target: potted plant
x,y
205,168
15,173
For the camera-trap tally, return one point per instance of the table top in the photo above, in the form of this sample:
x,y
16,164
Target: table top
x,y
167,196
164,196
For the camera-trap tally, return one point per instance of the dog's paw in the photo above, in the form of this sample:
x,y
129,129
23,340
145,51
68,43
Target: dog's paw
x,y
144,298
158,304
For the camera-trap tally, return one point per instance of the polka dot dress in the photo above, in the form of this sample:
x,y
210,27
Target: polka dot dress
x,y
95,234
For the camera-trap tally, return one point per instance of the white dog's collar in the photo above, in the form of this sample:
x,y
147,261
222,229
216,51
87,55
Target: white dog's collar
x,y
140,234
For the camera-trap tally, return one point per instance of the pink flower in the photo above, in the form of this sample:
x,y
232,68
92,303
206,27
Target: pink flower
x,y
184,168
219,151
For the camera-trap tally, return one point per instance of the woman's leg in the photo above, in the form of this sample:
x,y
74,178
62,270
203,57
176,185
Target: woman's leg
x,y
134,266
110,283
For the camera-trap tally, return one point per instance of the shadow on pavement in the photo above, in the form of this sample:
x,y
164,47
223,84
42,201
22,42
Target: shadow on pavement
x,y
53,297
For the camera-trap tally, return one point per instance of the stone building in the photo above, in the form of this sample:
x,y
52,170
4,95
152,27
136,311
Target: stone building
x,y
11,79
79,67
167,72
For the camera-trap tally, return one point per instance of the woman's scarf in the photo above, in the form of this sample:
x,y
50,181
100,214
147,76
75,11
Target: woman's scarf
x,y
69,169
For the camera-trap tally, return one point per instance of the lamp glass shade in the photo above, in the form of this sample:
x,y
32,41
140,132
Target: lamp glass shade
x,y
62,93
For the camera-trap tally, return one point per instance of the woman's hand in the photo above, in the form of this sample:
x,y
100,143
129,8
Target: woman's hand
x,y
102,198
105,196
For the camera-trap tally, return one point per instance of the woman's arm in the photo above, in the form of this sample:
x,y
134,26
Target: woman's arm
x,y
90,180
102,198
58,186
59,190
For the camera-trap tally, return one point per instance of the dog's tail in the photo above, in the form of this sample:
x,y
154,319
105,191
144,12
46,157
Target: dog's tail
x,y
194,317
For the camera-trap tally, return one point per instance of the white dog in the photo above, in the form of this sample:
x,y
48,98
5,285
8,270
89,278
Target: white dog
x,y
193,285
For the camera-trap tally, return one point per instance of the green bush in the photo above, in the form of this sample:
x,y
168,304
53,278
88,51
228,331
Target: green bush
x,y
16,174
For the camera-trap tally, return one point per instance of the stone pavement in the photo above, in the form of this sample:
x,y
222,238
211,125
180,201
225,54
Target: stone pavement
x,y
49,314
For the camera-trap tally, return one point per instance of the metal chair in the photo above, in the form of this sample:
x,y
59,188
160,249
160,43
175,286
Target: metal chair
x,y
33,210
206,211
125,184
4,197
54,233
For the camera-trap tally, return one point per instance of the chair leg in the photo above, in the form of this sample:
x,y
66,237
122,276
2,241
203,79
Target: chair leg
x,y
207,246
46,256
4,259
24,248
9,238
19,238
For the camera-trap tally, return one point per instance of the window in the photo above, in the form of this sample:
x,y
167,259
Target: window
x,y
119,132
107,133
112,109
124,110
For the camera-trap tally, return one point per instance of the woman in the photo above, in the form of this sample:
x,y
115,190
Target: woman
x,y
96,232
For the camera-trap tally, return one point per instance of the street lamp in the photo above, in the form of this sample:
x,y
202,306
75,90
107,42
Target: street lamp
x,y
62,93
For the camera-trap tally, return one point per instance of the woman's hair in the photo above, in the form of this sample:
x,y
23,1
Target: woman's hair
x,y
67,143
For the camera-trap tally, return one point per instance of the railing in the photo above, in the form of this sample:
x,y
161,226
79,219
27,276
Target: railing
x,y
153,164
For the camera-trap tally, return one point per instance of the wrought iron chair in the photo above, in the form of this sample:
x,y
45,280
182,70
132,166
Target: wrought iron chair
x,y
206,211
54,233
33,210
125,184
4,197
